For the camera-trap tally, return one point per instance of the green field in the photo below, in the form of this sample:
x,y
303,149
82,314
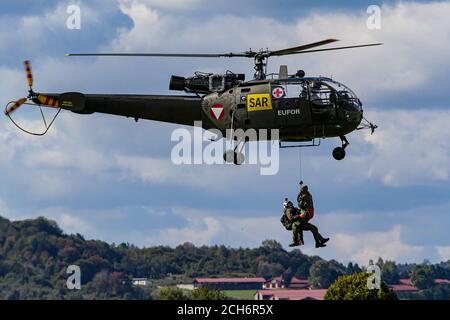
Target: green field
x,y
241,294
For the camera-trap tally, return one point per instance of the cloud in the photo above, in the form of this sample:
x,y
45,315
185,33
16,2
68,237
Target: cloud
x,y
214,178
12,82
3,208
95,164
164,4
363,246
411,147
197,232
44,32
85,159
400,65
372,72
413,68
153,28
203,227
444,252
46,168
356,237
73,224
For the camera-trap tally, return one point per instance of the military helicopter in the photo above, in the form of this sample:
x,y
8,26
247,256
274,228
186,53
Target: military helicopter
x,y
304,109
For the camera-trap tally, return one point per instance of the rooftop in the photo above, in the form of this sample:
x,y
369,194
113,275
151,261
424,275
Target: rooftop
x,y
403,285
441,281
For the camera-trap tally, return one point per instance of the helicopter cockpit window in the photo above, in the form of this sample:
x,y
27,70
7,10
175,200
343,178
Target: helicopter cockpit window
x,y
322,98
291,90
345,97
321,95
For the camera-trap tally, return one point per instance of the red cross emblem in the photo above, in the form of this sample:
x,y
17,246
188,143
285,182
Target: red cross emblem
x,y
278,92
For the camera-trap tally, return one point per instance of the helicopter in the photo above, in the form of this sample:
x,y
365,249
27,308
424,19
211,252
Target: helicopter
x,y
303,109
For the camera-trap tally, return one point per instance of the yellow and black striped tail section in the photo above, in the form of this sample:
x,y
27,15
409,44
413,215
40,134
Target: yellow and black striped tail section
x,y
14,106
47,101
26,63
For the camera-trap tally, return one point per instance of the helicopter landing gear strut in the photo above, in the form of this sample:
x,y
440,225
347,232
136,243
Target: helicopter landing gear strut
x,y
235,156
339,152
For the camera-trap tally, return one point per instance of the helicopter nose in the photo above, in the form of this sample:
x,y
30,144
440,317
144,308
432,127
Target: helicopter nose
x,y
353,113
356,115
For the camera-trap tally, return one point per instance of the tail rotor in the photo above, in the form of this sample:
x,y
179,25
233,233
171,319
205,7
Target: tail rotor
x,y
29,74
14,105
33,99
43,100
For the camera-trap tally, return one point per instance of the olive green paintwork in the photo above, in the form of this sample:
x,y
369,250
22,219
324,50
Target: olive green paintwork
x,y
297,117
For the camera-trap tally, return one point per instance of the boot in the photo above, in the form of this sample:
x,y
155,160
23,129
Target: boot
x,y
320,245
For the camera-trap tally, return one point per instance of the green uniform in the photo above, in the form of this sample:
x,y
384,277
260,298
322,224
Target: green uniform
x,y
292,214
305,200
310,227
297,231
305,203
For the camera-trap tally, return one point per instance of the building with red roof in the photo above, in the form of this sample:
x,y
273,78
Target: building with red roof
x,y
404,285
299,283
442,281
281,283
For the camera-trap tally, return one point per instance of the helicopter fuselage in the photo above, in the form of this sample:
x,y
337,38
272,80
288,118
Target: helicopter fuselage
x,y
302,109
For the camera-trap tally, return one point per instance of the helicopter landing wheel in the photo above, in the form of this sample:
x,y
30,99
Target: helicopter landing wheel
x,y
232,156
339,153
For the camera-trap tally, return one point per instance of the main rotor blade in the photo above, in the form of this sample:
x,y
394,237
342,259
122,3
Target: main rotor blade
x,y
302,47
176,55
336,48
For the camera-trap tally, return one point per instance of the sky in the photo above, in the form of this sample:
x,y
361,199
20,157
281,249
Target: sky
x,y
112,179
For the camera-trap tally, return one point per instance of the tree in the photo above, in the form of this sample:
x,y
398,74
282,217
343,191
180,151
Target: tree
x,y
287,277
354,287
268,270
389,272
353,268
111,285
201,293
322,274
206,293
437,292
422,277
171,294
272,245
303,269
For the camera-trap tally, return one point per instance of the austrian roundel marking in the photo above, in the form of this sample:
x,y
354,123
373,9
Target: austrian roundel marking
x,y
278,92
217,111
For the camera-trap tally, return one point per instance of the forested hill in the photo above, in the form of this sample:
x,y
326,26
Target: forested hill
x,y
35,254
